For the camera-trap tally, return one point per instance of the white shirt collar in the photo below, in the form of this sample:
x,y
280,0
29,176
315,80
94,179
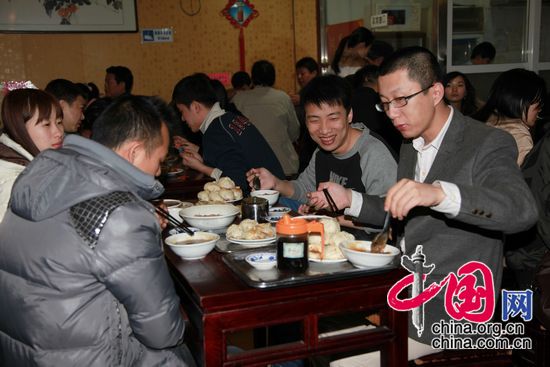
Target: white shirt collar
x,y
418,143
215,112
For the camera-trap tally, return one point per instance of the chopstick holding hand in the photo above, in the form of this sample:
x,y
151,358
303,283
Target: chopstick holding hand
x,y
182,144
163,222
340,195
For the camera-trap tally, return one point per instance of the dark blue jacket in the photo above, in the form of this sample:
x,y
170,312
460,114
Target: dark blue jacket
x,y
234,145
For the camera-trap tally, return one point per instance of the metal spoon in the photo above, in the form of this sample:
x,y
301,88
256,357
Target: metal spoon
x,y
379,241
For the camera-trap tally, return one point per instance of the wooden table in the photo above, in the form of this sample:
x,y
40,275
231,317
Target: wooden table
x,y
185,186
218,303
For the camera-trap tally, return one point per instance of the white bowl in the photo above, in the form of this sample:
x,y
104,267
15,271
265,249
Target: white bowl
x,y
262,260
279,210
192,251
270,195
171,203
358,253
208,217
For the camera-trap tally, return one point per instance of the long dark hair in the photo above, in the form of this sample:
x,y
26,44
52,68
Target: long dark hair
x,y
469,105
511,95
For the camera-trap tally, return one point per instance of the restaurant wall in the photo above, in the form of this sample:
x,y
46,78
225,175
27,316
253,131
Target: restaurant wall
x,y
284,31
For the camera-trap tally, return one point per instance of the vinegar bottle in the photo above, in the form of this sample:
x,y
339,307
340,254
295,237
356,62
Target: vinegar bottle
x,y
292,244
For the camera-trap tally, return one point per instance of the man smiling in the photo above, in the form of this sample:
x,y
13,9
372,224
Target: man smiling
x,y
348,154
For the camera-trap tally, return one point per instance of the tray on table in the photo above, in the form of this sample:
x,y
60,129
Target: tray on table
x,y
316,273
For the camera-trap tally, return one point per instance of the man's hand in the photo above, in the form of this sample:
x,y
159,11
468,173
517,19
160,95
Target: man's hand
x,y
163,222
407,194
184,145
340,195
193,160
267,180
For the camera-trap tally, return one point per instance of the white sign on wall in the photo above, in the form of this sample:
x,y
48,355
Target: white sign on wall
x,y
154,35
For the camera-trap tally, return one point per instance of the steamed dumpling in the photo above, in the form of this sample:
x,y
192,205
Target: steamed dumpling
x,y
237,193
341,237
214,196
248,225
234,231
226,183
203,196
226,194
211,186
331,225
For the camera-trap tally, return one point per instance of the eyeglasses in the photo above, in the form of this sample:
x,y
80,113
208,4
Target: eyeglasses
x,y
398,102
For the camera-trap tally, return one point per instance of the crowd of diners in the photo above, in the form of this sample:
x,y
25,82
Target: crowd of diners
x,y
82,273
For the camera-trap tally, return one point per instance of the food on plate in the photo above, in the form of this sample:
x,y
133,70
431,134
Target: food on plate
x,y
333,237
221,191
249,229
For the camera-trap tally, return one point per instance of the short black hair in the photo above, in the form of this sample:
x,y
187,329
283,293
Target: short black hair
x,y
122,74
308,63
263,73
63,89
420,64
240,79
485,50
130,118
330,89
196,87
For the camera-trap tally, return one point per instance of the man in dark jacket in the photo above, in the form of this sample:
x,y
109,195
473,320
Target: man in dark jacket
x,y
83,277
231,144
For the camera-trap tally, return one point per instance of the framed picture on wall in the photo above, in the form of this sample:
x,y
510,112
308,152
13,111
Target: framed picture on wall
x,y
68,16
400,17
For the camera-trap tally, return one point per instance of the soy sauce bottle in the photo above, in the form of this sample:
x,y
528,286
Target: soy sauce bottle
x,y
292,244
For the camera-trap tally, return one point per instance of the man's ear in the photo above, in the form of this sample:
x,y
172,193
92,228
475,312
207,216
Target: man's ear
x,y
64,104
129,150
350,115
195,107
438,92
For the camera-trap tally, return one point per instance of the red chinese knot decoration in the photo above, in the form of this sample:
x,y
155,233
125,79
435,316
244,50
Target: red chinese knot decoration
x,y
240,13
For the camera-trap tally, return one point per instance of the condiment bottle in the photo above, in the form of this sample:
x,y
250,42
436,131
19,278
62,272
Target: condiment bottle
x,y
292,243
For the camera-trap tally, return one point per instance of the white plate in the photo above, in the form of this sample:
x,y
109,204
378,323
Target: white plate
x,y
253,243
273,218
328,261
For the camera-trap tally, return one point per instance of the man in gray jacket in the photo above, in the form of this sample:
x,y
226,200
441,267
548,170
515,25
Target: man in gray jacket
x,y
83,279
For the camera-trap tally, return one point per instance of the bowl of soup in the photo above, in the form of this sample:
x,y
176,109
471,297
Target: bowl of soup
x,y
192,247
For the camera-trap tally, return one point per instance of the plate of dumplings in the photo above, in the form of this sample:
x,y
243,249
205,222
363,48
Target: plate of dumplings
x,y
219,192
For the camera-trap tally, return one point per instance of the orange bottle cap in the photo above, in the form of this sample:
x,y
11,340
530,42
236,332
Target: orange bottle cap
x,y
290,226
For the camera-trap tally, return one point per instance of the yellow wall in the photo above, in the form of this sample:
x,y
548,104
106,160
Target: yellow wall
x,y
284,31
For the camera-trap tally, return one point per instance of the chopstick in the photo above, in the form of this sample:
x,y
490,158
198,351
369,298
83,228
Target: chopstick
x,y
330,201
173,221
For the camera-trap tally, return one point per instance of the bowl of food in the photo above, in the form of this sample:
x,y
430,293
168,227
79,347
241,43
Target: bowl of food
x,y
262,260
359,254
192,247
271,195
207,217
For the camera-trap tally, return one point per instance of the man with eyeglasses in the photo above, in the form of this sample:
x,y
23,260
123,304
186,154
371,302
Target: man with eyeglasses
x,y
458,190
